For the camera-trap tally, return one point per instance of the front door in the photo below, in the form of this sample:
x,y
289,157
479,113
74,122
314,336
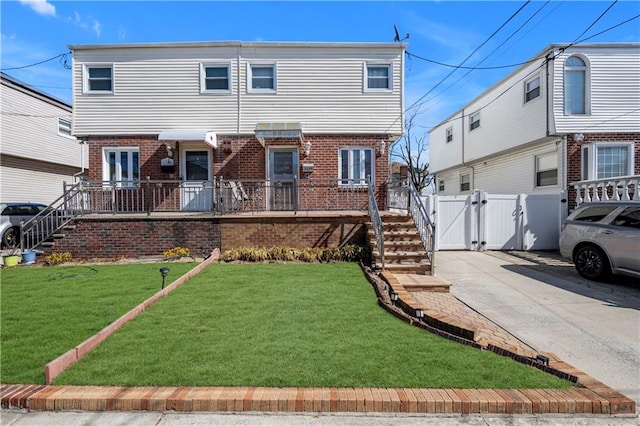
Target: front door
x,y
196,193
283,171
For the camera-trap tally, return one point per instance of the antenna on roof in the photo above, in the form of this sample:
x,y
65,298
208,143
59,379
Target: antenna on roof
x,y
397,38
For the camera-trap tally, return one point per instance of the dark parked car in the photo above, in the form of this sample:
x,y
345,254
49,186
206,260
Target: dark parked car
x,y
11,216
603,238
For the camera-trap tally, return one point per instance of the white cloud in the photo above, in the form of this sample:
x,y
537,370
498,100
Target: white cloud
x,y
41,7
122,33
88,23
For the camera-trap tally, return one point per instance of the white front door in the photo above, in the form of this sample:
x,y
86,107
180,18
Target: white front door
x,y
283,170
196,193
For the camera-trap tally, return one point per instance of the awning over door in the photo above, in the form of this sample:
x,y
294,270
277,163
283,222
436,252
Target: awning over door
x,y
266,131
205,136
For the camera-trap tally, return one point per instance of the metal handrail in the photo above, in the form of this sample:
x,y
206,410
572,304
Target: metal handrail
x,y
58,214
426,228
376,222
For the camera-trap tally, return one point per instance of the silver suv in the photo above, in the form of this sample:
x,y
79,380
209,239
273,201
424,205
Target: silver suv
x,y
603,238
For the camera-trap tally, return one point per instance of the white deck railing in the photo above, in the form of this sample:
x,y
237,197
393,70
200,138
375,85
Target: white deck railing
x,y
623,188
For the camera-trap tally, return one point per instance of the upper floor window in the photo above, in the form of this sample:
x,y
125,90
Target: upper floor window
x,y
378,77
449,134
98,79
531,89
355,166
575,86
474,121
465,182
262,78
64,127
547,169
441,185
121,165
607,160
214,78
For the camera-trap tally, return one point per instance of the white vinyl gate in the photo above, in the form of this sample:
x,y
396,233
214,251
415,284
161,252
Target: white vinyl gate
x,y
483,221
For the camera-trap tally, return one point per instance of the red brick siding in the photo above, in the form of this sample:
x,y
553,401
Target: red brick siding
x,y
243,157
574,155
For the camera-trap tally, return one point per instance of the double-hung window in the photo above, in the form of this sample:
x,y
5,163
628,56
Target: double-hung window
x,y
64,127
575,86
262,78
121,166
356,165
531,89
547,169
214,78
465,182
378,77
441,185
474,121
98,79
607,160
449,134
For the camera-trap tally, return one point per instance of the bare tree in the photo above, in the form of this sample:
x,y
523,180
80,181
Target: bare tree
x,y
412,150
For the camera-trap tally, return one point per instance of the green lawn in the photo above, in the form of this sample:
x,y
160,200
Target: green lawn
x,y
276,325
45,311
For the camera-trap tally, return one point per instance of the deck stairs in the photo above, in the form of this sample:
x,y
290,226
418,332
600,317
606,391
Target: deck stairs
x,y
404,252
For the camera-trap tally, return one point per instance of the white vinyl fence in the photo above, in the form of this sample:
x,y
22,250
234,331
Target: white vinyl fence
x,y
483,221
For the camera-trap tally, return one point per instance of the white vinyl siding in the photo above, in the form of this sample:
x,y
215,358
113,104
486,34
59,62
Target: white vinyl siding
x,y
25,180
31,128
158,88
215,78
355,166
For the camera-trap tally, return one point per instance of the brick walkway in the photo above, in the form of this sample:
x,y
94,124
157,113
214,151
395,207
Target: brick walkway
x,y
588,397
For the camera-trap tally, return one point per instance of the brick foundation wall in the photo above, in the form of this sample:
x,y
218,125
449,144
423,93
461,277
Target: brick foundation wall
x,y
574,156
298,233
115,238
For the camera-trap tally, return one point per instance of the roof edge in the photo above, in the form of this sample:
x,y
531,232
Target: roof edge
x,y
235,43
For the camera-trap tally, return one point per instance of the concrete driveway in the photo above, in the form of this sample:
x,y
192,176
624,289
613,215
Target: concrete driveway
x,y
539,298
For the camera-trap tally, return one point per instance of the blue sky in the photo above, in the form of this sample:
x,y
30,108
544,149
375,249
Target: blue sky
x,y
441,31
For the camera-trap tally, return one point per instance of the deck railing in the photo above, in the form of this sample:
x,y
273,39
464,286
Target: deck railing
x,y
624,188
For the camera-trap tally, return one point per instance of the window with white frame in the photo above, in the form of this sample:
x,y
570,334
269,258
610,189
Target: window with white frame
x,y
378,77
214,78
121,165
607,160
64,127
441,185
262,78
531,89
449,134
547,169
98,79
465,182
575,86
474,121
356,165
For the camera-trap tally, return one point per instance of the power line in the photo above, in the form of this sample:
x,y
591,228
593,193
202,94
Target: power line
x,y
62,59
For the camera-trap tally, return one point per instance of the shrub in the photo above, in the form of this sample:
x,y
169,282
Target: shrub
x,y
348,253
176,253
58,258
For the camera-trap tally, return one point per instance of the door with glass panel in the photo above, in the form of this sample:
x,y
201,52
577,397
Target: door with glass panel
x,y
283,170
196,193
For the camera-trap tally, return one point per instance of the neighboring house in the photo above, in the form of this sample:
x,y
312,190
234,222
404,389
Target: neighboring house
x,y
196,112
571,113
37,151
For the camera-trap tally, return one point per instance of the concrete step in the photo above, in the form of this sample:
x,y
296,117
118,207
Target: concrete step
x,y
419,269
